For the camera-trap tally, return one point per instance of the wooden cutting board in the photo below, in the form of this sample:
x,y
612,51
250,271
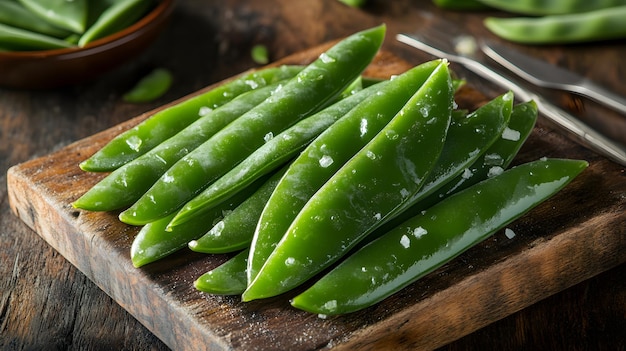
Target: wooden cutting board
x,y
575,235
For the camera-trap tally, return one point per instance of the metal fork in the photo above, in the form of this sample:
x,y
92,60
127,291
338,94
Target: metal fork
x,y
441,45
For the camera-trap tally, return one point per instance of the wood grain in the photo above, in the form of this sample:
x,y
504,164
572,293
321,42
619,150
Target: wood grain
x,y
574,236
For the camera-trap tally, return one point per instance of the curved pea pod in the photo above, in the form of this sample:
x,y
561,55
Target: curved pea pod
x,y
118,16
441,233
469,137
325,155
150,87
317,84
17,39
492,161
604,24
70,15
362,193
154,241
227,279
553,7
128,183
272,154
164,124
235,231
14,14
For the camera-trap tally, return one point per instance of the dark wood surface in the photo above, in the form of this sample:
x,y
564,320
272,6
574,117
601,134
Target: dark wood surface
x,y
46,303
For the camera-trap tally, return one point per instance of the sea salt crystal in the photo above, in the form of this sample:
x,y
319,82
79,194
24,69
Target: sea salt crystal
x,y
405,241
325,161
510,134
509,233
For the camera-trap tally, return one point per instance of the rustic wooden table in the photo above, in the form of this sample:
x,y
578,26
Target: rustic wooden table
x,y
46,303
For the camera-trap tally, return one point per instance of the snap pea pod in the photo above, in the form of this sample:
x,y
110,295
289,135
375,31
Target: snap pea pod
x,y
231,280
325,155
70,15
235,231
166,123
128,183
15,15
150,87
604,24
228,278
427,241
17,39
311,89
492,161
154,241
551,7
363,192
272,154
469,138
118,16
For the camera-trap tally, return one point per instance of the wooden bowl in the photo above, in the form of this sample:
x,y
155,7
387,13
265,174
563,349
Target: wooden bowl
x,y
61,67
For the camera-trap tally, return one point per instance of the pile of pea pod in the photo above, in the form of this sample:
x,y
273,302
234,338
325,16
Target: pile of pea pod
x,y
551,22
32,25
294,170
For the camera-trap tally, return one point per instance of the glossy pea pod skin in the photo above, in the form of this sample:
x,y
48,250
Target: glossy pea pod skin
x,y
227,279
325,155
128,183
70,15
272,154
468,138
604,24
17,39
311,89
230,279
362,193
164,124
495,159
116,17
234,232
441,233
551,7
14,14
154,241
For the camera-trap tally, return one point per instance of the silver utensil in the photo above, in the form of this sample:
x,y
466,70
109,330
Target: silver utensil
x,y
462,52
547,75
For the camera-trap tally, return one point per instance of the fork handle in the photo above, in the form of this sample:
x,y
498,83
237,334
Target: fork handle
x,y
585,135
601,95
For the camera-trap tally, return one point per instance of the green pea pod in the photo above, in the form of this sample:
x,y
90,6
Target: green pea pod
x,y
13,14
70,15
231,279
468,138
604,24
154,241
360,195
325,155
235,231
17,39
491,162
227,279
150,87
118,16
272,154
129,182
166,123
317,84
427,241
551,7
